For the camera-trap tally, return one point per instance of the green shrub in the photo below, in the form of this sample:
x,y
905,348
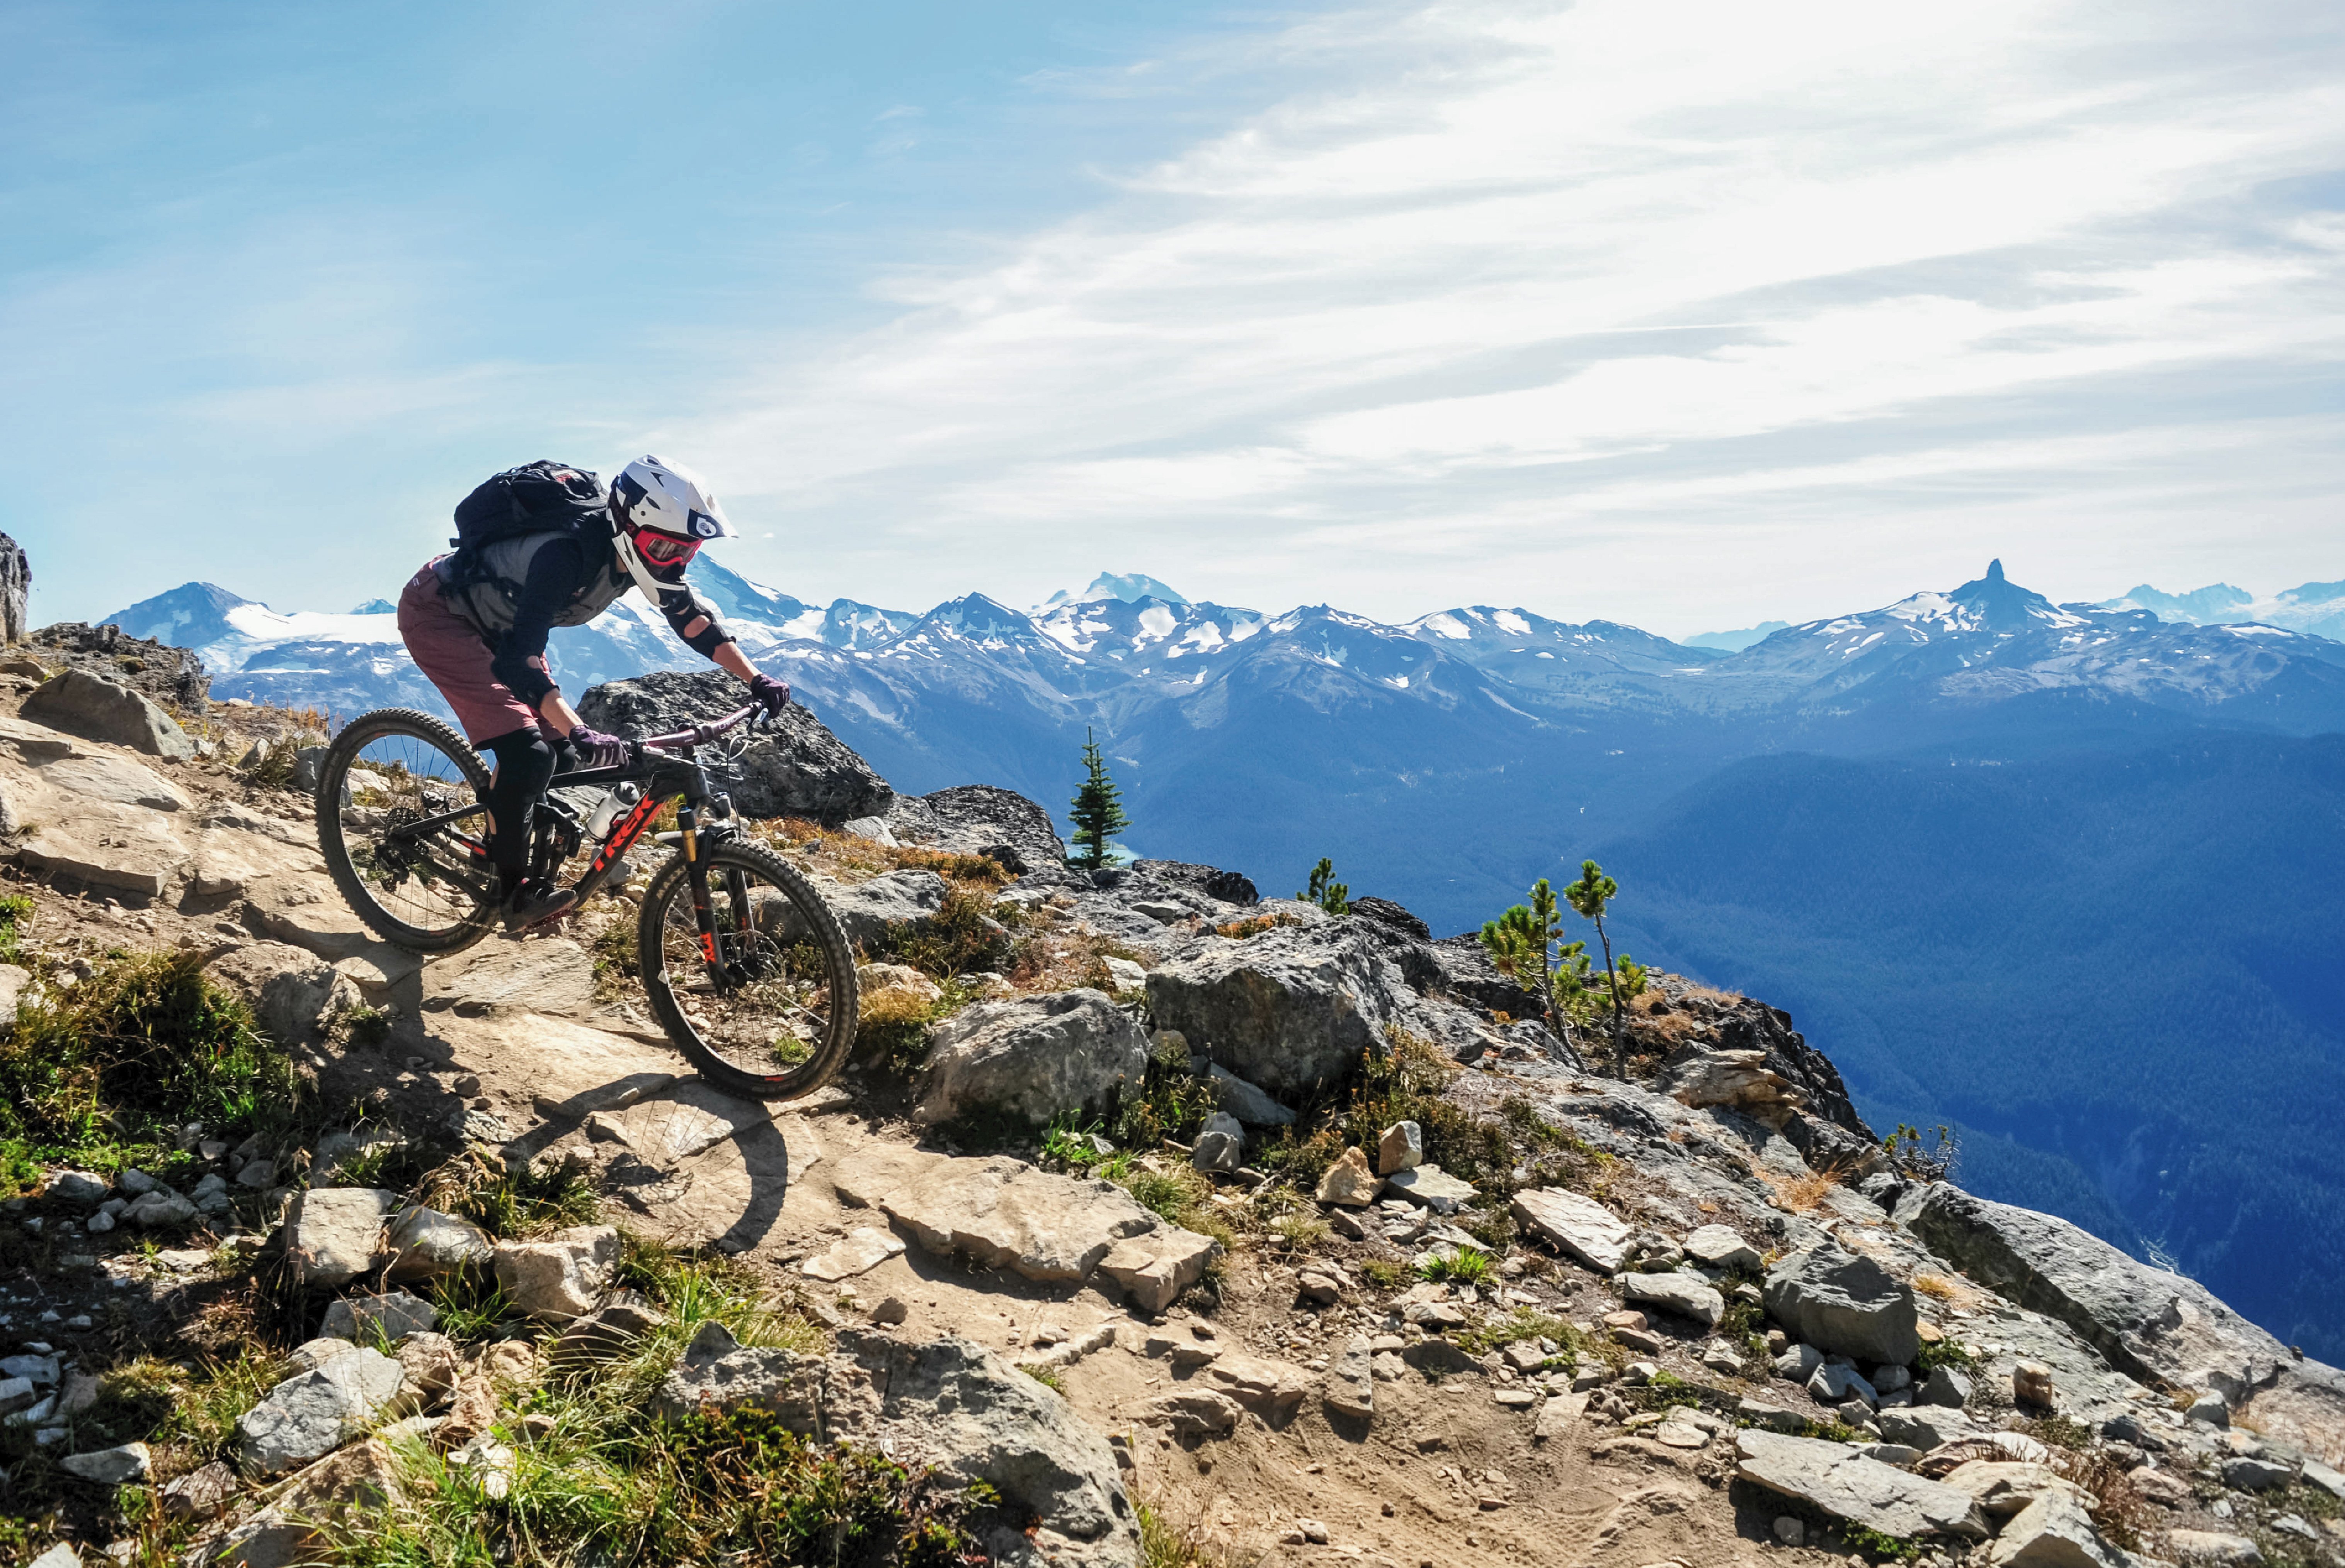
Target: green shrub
x,y
961,938
513,1200
1459,1266
105,1073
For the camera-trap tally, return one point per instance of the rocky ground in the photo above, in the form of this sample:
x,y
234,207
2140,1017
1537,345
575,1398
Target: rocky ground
x,y
1155,1222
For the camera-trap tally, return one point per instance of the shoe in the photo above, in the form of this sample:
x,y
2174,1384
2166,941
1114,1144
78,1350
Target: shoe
x,y
533,902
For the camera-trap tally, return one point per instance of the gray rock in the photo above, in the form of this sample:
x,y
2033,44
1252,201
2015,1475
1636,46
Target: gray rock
x,y
2211,1408
948,1404
1945,1386
1834,1385
1350,1387
1226,887
1000,824
1268,1388
111,1466
1847,1485
310,1354
300,1004
801,770
82,704
160,1210
1400,1148
1430,1186
76,1187
1683,1294
1194,1413
333,1235
1925,1427
202,1493
2213,1547
1290,1009
1220,1146
1577,1225
2053,1531
1773,1418
869,912
2156,1328
426,1243
611,1329
1247,1103
312,1413
559,1277
1033,1058
2248,1472
1844,1302
364,1320
137,1182
1717,1246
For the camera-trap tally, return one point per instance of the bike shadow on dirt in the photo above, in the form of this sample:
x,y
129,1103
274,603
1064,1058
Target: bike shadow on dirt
x,y
654,1135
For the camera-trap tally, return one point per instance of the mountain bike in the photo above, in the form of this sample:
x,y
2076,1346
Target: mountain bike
x,y
746,968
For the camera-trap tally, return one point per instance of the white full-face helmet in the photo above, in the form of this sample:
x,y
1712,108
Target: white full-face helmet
x,y
662,513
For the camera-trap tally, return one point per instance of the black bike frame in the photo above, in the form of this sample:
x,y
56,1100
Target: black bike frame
x,y
671,773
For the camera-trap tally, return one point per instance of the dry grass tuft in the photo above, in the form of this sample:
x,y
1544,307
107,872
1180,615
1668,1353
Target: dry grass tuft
x,y
1801,1194
1935,1286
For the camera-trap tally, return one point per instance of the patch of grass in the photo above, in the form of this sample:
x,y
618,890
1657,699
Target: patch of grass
x,y
1172,1103
515,1201
961,938
1935,1286
1047,1376
1254,926
1459,1266
617,962
1298,1232
2058,1431
1067,1147
1404,1082
1873,1543
976,868
1799,1194
105,1073
1165,1544
1526,1323
1945,1352
15,909
1385,1274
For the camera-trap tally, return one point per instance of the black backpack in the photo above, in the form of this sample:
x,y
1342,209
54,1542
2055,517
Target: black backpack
x,y
541,497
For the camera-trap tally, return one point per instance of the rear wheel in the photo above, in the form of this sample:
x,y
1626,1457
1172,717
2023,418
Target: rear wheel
x,y
773,1016
421,889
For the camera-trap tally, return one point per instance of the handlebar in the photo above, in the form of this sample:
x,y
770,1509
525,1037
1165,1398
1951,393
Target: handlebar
x,y
699,734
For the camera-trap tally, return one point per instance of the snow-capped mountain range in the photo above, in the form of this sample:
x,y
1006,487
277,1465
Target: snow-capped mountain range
x,y
972,671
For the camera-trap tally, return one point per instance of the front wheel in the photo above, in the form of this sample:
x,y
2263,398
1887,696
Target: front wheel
x,y
398,818
764,1004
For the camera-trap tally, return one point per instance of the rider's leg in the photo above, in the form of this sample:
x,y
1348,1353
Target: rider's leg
x,y
524,765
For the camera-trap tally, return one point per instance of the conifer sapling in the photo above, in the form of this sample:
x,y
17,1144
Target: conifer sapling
x,y
1098,812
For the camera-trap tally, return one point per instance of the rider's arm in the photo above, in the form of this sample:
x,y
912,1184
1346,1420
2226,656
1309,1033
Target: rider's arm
x,y
556,575
694,620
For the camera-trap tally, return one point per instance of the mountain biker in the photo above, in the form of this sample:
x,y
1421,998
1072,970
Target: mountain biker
x,y
476,619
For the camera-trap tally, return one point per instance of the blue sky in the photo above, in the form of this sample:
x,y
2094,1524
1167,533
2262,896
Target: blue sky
x,y
1687,315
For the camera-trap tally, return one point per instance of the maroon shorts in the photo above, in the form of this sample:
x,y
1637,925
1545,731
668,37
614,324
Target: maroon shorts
x,y
446,648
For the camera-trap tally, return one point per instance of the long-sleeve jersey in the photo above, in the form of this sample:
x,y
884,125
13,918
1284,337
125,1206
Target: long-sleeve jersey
x,y
531,584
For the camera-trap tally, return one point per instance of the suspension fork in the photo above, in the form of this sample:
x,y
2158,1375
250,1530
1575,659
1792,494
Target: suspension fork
x,y
703,908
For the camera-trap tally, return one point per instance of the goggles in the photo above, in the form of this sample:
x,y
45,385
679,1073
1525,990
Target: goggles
x,y
664,549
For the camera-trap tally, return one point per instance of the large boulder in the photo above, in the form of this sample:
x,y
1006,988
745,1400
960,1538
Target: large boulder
x,y
1289,1009
946,1403
359,1481
173,676
799,768
1848,1485
983,820
1701,1077
1386,912
1686,1294
1844,1302
312,1413
80,702
1005,1214
869,911
15,587
1228,887
2155,1327
1031,1058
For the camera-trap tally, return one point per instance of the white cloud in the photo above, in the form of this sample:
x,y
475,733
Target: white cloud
x,y
1511,261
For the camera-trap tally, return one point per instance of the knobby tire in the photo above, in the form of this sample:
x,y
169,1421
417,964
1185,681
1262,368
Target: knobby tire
x,y
355,738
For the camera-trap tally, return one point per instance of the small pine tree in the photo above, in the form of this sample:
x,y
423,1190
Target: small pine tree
x,y
1526,944
1329,894
1098,812
1592,895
